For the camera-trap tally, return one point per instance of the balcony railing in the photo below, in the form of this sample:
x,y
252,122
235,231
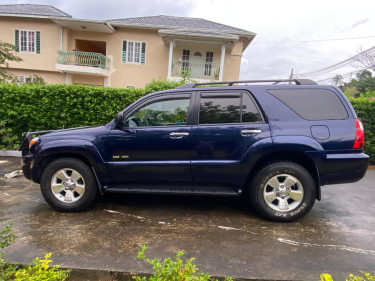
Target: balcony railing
x,y
83,59
196,69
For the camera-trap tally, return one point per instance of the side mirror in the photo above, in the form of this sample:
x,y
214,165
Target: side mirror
x,y
119,120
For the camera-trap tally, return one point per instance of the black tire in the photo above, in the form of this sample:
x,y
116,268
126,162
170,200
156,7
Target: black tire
x,y
72,198
272,198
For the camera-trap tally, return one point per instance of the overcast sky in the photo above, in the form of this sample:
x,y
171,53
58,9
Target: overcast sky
x,y
277,23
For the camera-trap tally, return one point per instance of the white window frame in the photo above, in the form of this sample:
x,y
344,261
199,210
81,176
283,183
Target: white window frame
x,y
20,47
136,53
24,79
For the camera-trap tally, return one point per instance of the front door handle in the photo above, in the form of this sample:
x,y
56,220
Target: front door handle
x,y
250,132
178,135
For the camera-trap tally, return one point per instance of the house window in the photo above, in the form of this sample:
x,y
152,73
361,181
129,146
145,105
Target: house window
x,y
208,64
27,41
28,79
185,59
133,52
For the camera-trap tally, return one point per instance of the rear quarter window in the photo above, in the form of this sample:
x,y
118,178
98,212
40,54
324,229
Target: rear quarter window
x,y
312,104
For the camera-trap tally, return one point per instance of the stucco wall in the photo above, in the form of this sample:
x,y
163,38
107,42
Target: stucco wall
x,y
49,41
49,76
122,74
129,74
87,80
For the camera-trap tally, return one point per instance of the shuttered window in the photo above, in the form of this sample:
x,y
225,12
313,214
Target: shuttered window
x,y
27,41
133,52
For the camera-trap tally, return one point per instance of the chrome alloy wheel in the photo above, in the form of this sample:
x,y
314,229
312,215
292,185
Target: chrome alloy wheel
x,y
283,193
68,185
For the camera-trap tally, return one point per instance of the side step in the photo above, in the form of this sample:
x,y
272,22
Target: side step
x,y
183,189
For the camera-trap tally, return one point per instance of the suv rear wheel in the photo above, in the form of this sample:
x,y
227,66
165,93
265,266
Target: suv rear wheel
x,y
68,185
282,191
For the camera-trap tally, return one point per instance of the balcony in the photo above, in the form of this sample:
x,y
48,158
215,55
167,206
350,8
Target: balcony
x,y
83,62
198,70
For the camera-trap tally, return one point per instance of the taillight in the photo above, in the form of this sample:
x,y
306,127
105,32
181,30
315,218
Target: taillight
x,y
359,141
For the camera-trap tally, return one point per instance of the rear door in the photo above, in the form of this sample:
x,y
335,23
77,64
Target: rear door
x,y
226,124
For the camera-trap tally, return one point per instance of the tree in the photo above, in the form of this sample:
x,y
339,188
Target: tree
x,y
337,80
364,74
365,81
7,54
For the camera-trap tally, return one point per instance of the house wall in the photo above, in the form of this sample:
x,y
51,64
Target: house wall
x,y
130,74
122,74
50,77
87,80
197,47
49,42
232,62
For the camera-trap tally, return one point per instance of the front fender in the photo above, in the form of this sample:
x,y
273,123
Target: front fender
x,y
70,148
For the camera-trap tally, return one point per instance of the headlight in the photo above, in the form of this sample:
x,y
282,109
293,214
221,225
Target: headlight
x,y
33,141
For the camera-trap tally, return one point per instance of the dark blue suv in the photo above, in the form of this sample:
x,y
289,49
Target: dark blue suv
x,y
275,144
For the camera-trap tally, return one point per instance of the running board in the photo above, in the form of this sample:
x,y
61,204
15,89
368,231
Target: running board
x,y
174,189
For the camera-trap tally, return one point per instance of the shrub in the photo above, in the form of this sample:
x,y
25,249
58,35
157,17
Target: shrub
x,y
170,269
38,271
365,276
41,271
365,108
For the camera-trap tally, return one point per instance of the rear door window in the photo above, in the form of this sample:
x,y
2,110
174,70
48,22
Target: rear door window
x,y
312,104
227,108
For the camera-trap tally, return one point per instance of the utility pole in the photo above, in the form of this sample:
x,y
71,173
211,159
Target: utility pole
x,y
291,76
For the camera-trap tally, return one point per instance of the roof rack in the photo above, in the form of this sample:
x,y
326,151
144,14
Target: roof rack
x,y
230,83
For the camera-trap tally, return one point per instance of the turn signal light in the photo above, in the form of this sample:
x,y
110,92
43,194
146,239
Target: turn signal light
x,y
32,142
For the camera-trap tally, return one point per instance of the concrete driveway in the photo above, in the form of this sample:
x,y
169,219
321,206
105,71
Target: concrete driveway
x,y
337,237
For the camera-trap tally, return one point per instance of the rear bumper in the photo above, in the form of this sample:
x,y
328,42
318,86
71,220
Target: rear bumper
x,y
342,168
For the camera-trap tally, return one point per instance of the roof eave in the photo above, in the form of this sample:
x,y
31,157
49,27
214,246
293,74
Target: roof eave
x,y
32,16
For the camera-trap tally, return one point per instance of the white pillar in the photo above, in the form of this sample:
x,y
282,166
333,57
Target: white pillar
x,y
222,62
68,78
107,81
171,43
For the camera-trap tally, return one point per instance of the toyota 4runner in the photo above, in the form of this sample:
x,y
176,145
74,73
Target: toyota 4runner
x,y
275,144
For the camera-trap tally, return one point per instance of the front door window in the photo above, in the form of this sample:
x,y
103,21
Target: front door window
x,y
160,113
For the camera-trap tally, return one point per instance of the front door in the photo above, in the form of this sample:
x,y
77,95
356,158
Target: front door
x,y
154,143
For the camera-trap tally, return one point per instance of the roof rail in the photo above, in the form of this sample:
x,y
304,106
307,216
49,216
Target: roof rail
x,y
230,83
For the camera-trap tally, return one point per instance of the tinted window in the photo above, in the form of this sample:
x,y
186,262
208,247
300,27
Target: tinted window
x,y
220,109
312,104
160,113
226,108
250,112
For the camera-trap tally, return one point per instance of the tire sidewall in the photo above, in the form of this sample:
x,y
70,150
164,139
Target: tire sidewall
x,y
288,168
87,198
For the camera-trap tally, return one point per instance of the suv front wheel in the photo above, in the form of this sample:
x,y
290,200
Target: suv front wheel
x,y
282,191
68,185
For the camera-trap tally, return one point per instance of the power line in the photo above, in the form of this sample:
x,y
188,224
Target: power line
x,y
314,40
337,65
346,75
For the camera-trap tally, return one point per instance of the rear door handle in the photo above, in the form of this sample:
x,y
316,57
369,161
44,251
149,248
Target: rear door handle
x,y
178,135
250,132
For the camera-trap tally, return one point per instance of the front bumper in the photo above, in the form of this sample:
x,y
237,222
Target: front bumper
x,y
27,162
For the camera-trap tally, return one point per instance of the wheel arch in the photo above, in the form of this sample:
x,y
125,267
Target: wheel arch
x,y
293,156
82,150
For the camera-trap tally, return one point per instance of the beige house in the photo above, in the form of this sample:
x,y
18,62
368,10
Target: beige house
x,y
122,53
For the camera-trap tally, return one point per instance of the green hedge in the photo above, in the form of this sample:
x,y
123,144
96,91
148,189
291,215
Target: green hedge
x,y
365,108
30,107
